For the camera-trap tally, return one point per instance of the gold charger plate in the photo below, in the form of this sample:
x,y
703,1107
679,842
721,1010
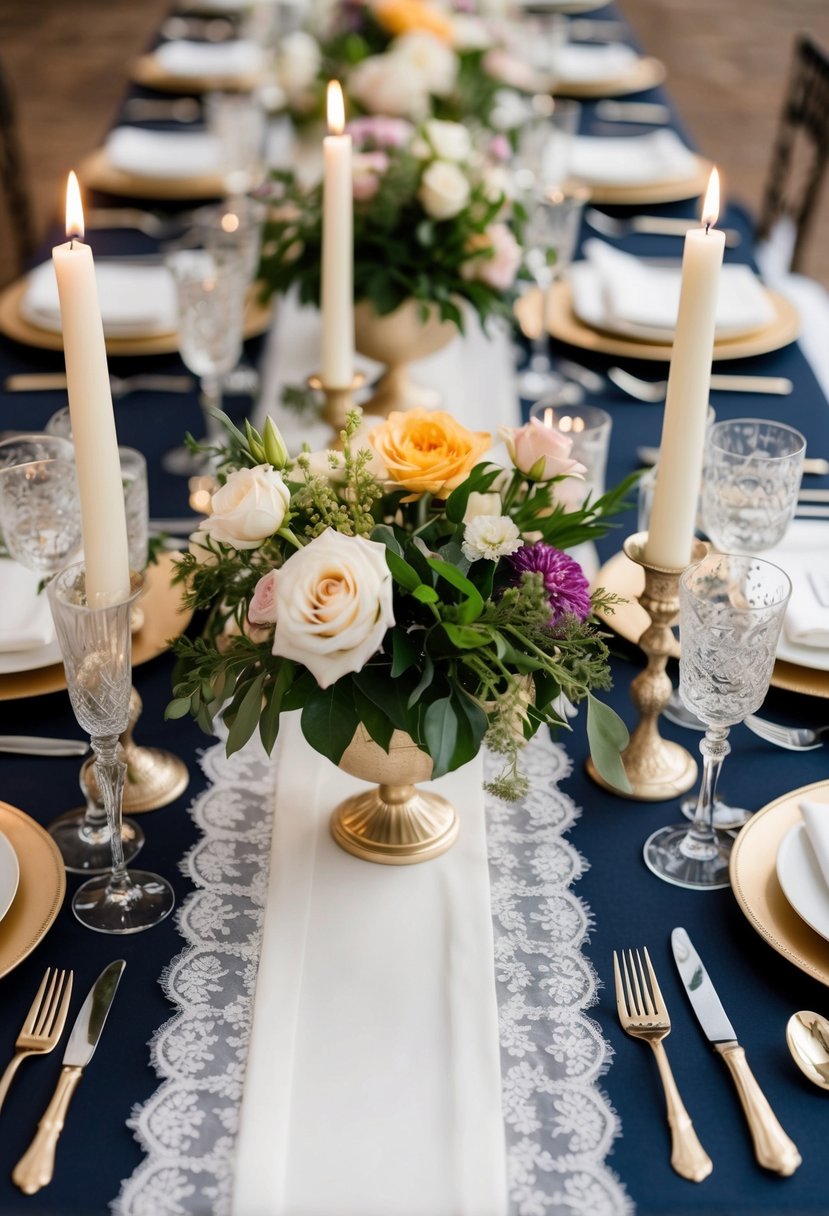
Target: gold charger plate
x,y
146,70
14,325
645,73
40,891
164,620
630,620
757,889
672,190
563,324
98,173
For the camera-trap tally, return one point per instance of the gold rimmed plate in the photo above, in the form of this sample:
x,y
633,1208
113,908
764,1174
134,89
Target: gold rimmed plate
x,y
14,325
629,620
757,889
644,73
164,620
97,172
149,72
40,891
645,194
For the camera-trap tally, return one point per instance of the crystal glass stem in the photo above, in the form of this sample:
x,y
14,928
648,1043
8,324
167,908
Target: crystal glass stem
x,y
700,844
111,772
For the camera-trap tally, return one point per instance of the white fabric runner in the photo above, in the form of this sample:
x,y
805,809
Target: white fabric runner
x,y
373,1082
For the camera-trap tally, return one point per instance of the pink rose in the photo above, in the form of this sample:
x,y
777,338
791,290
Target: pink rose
x,y
368,168
499,267
262,608
540,452
499,148
380,131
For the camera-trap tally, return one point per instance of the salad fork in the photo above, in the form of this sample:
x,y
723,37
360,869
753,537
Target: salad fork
x,y
794,738
44,1023
643,1014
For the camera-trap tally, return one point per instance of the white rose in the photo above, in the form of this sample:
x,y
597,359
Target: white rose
x,y
249,507
432,61
482,504
333,605
298,64
490,537
469,33
380,86
450,140
444,190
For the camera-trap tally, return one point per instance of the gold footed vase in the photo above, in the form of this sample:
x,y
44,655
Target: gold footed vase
x,y
155,777
394,824
398,339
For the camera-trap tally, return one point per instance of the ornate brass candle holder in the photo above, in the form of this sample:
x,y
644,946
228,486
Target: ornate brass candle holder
x,y
154,777
656,768
338,401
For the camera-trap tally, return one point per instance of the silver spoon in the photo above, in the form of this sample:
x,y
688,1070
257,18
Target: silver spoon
x,y
807,1035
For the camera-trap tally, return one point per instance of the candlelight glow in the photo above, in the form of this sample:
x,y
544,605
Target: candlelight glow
x,y
711,205
74,207
335,106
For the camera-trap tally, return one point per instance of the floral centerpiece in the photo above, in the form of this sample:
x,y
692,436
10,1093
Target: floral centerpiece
x,y
406,585
429,224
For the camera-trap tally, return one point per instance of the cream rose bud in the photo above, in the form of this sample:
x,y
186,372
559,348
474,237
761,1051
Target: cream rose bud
x,y
262,607
333,605
249,507
450,140
482,504
541,452
444,190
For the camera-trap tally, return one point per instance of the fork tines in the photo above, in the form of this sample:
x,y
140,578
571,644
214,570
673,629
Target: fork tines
x,y
640,995
44,1008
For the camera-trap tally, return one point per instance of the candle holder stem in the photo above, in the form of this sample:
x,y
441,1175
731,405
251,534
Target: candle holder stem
x,y
337,402
656,768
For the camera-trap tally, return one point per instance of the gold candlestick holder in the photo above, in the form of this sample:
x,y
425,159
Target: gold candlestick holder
x,y
155,777
338,401
656,768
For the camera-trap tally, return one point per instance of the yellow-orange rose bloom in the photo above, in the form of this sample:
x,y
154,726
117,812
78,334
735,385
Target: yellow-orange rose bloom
x,y
404,16
427,451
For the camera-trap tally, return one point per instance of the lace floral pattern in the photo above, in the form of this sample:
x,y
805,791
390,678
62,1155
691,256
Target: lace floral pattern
x,y
559,1125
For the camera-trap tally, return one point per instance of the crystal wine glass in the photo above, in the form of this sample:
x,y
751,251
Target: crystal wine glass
x,y
731,612
97,658
39,507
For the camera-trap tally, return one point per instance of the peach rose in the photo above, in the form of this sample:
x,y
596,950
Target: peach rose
x,y
540,452
403,16
427,451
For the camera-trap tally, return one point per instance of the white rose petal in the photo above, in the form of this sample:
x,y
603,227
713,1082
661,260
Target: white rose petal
x,y
490,537
444,190
450,140
298,63
333,605
382,87
249,507
424,55
482,504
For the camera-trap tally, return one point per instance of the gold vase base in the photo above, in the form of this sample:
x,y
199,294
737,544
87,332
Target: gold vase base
x,y
671,772
395,825
155,778
395,390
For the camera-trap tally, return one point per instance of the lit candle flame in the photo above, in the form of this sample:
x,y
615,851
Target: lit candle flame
x,y
711,205
335,106
74,207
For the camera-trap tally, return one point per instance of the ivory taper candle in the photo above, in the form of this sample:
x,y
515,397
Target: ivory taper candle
x,y
675,496
103,516
337,303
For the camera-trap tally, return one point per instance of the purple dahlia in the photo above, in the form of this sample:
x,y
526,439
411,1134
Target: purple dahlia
x,y
567,589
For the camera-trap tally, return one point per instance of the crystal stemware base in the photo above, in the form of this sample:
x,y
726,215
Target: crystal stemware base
x,y
138,903
86,847
670,855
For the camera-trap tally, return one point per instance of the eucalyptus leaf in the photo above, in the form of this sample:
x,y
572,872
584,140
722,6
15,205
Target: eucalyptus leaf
x,y
247,716
607,736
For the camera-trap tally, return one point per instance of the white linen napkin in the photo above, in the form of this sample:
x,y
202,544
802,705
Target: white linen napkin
x,y
578,63
168,154
807,616
25,619
373,1075
635,160
816,820
184,58
621,291
136,301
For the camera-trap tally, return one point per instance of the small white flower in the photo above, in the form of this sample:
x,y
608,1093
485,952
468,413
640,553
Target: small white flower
x,y
444,190
490,537
423,55
450,140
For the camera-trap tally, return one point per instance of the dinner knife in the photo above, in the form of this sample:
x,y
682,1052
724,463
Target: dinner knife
x,y
29,382
35,1168
816,466
772,1147
34,745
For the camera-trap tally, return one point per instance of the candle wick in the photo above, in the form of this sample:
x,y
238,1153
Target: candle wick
x,y
707,227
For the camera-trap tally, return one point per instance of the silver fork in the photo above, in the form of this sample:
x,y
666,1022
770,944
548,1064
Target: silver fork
x,y
44,1023
794,738
656,225
653,391
158,226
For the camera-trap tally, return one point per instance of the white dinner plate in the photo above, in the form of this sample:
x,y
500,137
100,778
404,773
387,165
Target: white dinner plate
x,y
812,536
802,881
9,875
13,661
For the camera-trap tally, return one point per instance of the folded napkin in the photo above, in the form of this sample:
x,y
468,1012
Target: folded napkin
x,y
621,291
581,64
373,1081
816,820
183,58
807,616
25,619
173,154
136,301
635,160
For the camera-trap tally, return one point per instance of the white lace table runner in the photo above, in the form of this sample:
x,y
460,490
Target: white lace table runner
x,y
559,1126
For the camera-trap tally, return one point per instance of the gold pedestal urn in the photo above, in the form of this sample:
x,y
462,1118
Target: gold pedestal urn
x,y
394,824
398,339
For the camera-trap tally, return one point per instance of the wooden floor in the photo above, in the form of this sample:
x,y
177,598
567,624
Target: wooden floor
x,y
727,62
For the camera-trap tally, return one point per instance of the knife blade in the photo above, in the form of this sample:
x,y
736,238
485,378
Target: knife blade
x,y
34,745
35,1168
772,1147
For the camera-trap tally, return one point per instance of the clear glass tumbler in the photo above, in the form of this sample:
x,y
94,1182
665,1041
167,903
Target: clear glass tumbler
x,y
588,427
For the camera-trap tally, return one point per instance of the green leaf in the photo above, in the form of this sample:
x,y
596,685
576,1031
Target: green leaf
x,y
402,572
246,716
274,693
404,652
390,695
607,735
378,724
440,732
296,695
424,681
466,637
426,594
480,479
472,726
385,535
473,604
329,719
178,708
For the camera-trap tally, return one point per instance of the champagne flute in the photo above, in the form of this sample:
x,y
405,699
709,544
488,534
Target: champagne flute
x,y
731,613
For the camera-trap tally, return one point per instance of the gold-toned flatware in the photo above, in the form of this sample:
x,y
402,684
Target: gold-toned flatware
x,y
44,1023
807,1035
643,1014
655,390
32,382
